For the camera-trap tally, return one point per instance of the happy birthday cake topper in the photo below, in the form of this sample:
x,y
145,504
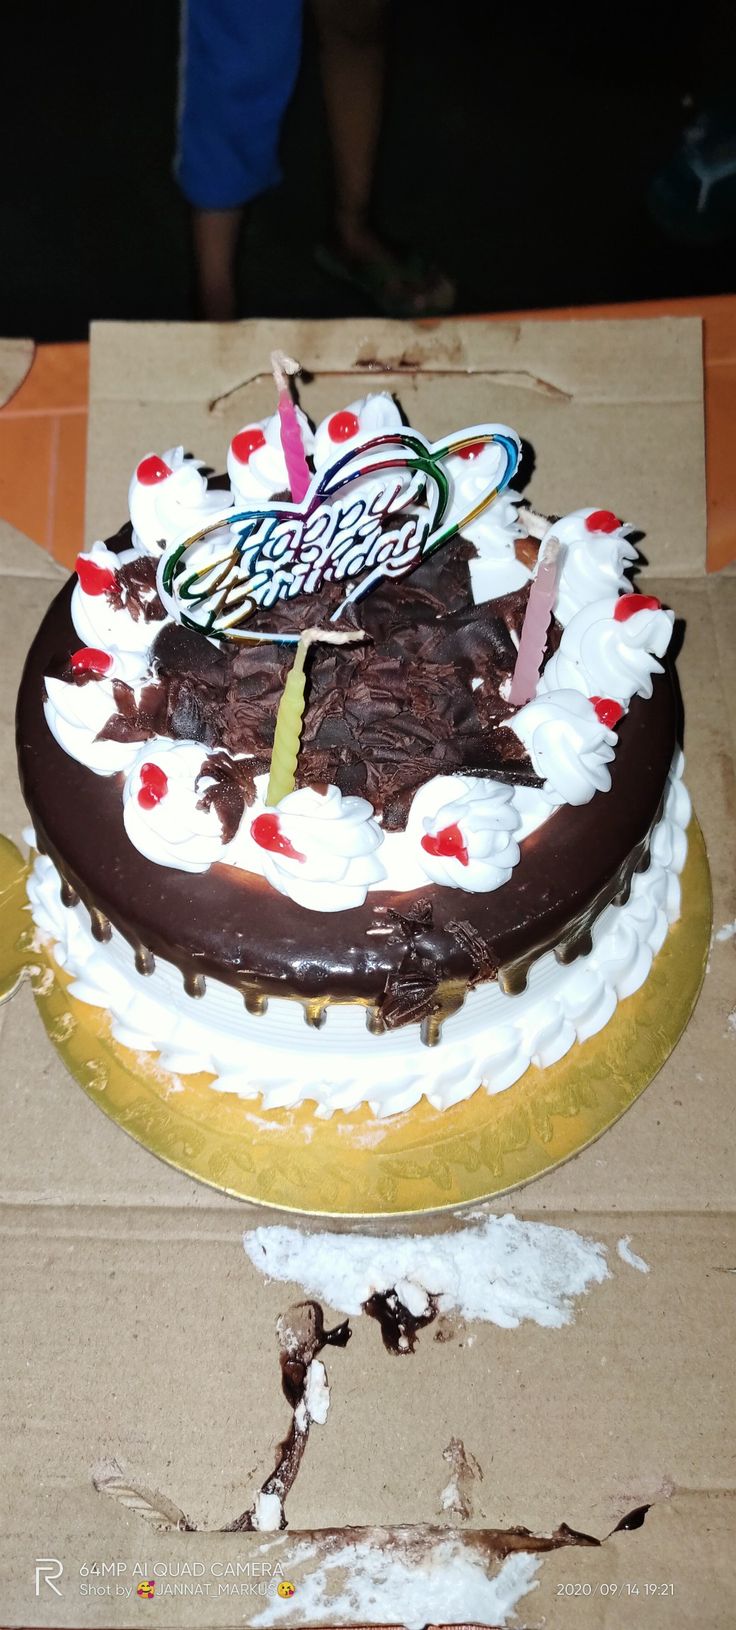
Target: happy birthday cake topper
x,y
375,514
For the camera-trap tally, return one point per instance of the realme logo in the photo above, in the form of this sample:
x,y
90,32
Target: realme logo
x,y
48,1568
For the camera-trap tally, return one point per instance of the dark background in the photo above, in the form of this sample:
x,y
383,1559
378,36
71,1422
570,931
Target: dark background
x,y
517,151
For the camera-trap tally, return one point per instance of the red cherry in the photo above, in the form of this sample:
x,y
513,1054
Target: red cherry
x,y
267,833
152,469
473,451
154,786
629,604
93,579
608,711
603,520
247,442
91,660
343,426
448,842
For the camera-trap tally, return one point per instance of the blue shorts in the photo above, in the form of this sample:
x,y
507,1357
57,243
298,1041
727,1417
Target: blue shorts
x,y
238,67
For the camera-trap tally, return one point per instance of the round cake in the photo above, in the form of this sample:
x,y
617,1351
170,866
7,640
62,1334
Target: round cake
x,y
457,885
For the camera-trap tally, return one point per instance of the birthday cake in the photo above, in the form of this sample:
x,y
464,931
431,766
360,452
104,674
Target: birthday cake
x,y
448,839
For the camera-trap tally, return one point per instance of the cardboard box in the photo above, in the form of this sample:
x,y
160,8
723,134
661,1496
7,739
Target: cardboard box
x,y
137,1330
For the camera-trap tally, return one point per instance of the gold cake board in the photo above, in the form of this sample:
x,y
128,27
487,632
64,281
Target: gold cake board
x,y
355,1165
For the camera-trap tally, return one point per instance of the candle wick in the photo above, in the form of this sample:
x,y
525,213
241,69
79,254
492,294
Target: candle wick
x,y
324,636
283,368
329,636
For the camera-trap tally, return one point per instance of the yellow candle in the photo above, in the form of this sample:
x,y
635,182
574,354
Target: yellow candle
x,y
289,719
290,716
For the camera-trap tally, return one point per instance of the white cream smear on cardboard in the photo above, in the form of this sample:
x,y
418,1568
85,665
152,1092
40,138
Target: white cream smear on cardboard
x,y
364,1583
627,1255
500,1270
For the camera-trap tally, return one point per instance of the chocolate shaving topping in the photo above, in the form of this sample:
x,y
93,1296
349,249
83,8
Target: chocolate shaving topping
x,y
527,551
189,716
409,996
135,721
180,653
471,941
231,788
409,924
134,590
382,717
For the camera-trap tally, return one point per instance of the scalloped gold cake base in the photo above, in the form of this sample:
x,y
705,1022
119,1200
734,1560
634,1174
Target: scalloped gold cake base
x,y
355,1165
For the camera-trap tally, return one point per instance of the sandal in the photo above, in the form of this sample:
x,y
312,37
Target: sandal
x,y
399,284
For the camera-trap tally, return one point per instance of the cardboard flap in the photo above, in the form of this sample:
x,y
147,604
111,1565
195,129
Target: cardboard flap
x,y
16,357
138,1331
612,411
19,557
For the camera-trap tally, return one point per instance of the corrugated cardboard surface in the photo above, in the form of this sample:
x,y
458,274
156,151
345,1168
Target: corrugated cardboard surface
x,y
16,357
615,404
137,1329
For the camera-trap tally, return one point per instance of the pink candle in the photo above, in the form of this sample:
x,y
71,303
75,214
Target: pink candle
x,y
536,622
297,470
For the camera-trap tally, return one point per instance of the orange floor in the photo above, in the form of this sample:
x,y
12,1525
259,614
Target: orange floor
x,y
43,431
43,450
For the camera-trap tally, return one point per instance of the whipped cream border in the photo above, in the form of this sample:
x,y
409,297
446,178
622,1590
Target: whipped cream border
x,y
276,1058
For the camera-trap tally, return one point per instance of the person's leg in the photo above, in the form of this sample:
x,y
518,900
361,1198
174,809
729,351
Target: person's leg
x,y
353,53
352,35
239,61
216,235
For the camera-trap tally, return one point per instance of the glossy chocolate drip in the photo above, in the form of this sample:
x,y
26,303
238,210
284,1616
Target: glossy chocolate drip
x,y
447,998
100,925
577,939
315,1013
69,896
408,957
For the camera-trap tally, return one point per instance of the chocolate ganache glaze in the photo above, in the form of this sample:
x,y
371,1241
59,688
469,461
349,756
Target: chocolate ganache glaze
x,y
383,717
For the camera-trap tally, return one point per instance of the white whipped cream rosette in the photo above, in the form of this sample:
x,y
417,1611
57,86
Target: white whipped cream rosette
x,y
317,848
168,498
569,745
105,627
161,812
496,570
596,555
343,431
255,461
75,715
610,649
669,841
463,831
